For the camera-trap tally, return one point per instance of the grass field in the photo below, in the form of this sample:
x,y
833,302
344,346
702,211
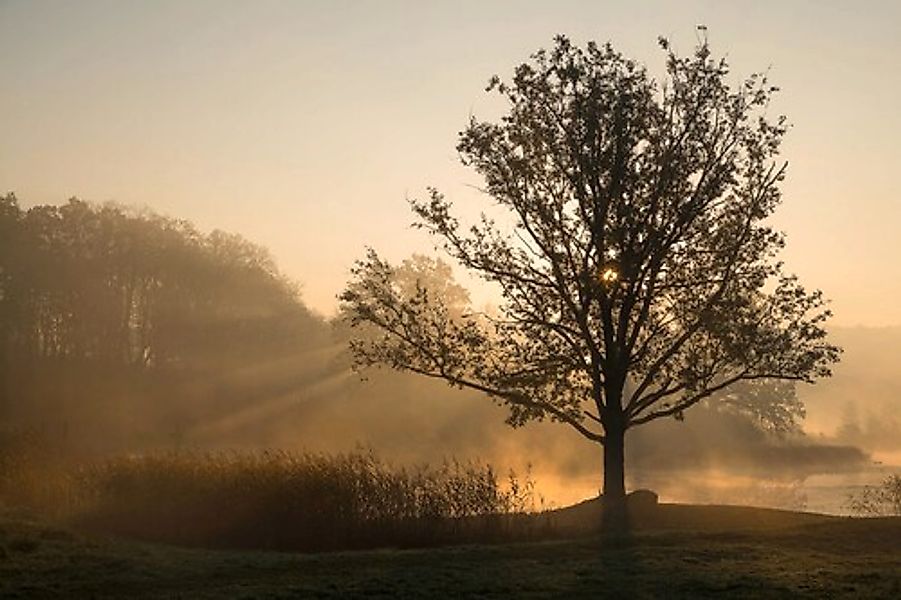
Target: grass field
x,y
684,551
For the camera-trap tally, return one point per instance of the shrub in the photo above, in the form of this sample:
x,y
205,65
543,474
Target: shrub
x,y
883,500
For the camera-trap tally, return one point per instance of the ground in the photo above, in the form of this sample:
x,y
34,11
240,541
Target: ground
x,y
696,552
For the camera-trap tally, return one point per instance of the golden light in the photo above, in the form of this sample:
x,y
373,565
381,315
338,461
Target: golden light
x,y
609,275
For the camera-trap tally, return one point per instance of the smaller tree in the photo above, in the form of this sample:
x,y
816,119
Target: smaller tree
x,y
434,276
771,404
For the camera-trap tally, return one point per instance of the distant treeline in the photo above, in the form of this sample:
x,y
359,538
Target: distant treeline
x,y
79,281
101,305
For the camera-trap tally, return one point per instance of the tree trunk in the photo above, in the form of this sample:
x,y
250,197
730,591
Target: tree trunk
x,y
614,515
614,464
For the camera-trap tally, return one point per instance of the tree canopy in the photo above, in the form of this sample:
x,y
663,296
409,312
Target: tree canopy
x,y
639,276
104,283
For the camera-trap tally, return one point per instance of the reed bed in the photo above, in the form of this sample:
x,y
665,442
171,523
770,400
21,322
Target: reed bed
x,y
34,474
271,499
300,501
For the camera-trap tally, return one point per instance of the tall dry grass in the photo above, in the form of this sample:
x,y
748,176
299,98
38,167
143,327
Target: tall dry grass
x,y
274,499
34,474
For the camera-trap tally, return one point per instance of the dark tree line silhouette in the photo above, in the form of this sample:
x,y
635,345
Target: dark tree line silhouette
x,y
105,285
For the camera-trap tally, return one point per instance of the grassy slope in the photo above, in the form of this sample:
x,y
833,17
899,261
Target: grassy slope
x,y
686,552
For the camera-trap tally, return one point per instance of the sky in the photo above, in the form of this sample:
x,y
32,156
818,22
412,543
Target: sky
x,y
306,126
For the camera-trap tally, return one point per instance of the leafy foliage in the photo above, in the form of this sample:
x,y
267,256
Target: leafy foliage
x,y
639,276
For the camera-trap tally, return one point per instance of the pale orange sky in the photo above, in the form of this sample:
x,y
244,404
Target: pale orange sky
x,y
304,125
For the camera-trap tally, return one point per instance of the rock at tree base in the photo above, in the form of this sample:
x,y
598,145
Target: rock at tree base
x,y
641,500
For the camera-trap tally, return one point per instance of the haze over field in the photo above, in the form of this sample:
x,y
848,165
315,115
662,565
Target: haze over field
x,y
306,126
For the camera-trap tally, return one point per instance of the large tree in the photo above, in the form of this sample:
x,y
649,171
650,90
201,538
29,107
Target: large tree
x,y
638,273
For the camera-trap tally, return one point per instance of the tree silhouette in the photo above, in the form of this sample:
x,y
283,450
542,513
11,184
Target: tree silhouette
x,y
115,321
638,277
102,283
